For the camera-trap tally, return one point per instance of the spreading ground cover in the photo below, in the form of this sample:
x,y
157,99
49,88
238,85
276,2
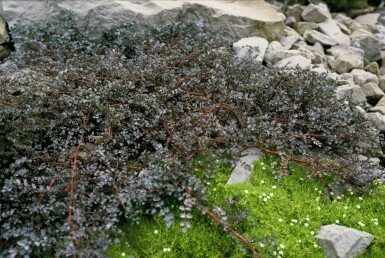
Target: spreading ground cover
x,y
97,129
287,212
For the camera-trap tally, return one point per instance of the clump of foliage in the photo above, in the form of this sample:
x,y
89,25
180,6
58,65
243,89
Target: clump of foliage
x,y
94,130
291,211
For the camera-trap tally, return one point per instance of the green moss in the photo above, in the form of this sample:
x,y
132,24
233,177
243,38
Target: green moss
x,y
290,211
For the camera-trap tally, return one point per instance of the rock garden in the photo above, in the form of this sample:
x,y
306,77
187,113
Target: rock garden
x,y
192,129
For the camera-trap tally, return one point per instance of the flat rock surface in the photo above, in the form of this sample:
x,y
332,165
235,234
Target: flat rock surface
x,y
237,18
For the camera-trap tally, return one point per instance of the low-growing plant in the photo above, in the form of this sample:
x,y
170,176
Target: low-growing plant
x,y
282,217
94,130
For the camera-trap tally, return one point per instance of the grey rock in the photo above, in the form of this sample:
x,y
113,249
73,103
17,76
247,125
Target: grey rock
x,y
371,47
271,52
372,92
381,102
294,62
346,63
313,36
339,50
301,27
342,242
315,13
343,19
379,109
362,77
368,19
242,171
253,47
352,92
288,41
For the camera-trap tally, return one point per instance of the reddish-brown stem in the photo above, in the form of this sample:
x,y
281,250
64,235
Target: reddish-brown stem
x,y
225,226
117,192
225,107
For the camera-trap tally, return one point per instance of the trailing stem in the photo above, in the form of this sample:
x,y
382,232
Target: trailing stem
x,y
225,226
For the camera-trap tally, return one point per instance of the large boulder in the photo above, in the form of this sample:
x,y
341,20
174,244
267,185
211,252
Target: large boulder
x,y
342,242
362,77
237,19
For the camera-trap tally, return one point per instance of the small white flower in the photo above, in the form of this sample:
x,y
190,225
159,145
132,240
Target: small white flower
x,y
247,191
265,199
280,252
123,254
312,233
376,223
315,245
274,187
317,199
361,224
262,181
156,231
306,224
358,206
282,246
360,198
337,221
301,179
345,207
166,249
263,194
343,215
307,219
262,244
294,220
316,189
271,194
331,193
339,197
319,208
280,220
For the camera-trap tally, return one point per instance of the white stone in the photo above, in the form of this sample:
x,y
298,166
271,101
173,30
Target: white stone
x,y
369,19
329,27
339,50
315,13
288,41
362,77
313,36
253,47
342,242
294,62
271,52
242,171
